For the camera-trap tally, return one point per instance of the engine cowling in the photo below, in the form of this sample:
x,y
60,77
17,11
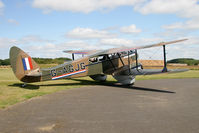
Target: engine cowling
x,y
99,77
126,76
125,79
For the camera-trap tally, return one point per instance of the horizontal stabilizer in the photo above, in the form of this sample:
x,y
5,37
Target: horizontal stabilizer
x,y
34,73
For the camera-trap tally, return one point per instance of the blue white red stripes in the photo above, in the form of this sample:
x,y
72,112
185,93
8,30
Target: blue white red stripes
x,y
69,74
27,63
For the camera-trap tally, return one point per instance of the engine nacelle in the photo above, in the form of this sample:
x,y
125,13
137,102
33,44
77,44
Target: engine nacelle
x,y
125,79
99,77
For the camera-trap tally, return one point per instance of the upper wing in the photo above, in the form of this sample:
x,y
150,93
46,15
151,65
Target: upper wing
x,y
78,51
122,49
92,53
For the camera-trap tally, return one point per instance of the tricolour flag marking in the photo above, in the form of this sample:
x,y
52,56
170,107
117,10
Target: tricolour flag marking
x,y
27,63
24,64
30,62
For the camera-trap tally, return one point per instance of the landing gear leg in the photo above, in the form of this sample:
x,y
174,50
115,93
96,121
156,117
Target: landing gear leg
x,y
165,60
24,85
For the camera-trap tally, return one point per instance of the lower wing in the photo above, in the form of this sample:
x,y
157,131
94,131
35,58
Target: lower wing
x,y
155,71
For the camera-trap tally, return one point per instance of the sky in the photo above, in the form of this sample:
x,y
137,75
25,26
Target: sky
x,y
44,28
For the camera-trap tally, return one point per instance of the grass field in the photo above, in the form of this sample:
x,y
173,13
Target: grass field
x,y
11,91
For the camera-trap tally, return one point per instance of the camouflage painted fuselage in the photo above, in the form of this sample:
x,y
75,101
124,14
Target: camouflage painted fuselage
x,y
26,69
83,67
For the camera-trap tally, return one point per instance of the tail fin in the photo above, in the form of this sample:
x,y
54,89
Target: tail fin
x,y
23,66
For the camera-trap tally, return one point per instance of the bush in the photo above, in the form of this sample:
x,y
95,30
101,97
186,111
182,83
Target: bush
x,y
50,60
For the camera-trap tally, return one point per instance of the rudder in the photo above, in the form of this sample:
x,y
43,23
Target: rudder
x,y
23,66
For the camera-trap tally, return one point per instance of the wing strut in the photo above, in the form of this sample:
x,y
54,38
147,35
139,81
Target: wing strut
x,y
165,60
136,58
111,62
73,56
129,64
120,59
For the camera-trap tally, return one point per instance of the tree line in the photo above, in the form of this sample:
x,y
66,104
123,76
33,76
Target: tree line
x,y
40,61
188,61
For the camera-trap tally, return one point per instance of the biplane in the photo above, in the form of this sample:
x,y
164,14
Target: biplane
x,y
122,63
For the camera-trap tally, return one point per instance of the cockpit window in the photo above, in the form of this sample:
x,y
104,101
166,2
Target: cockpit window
x,y
98,59
102,58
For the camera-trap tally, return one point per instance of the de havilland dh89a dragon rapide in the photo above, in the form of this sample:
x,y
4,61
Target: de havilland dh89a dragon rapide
x,y
121,63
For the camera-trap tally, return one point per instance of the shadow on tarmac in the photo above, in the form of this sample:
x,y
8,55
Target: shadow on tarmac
x,y
86,82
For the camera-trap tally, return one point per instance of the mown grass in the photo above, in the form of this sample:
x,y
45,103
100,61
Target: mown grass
x,y
11,91
187,74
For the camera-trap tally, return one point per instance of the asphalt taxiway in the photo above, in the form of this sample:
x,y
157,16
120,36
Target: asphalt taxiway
x,y
166,106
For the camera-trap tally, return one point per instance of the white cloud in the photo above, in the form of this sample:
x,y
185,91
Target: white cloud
x,y
74,44
13,21
130,29
48,47
1,7
179,50
192,41
88,33
177,25
7,42
53,50
147,41
84,6
79,44
192,24
182,8
117,42
33,39
172,34
186,49
44,48
163,6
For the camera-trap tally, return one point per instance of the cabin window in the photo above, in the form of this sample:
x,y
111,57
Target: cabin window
x,y
98,59
131,51
113,56
125,53
93,60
